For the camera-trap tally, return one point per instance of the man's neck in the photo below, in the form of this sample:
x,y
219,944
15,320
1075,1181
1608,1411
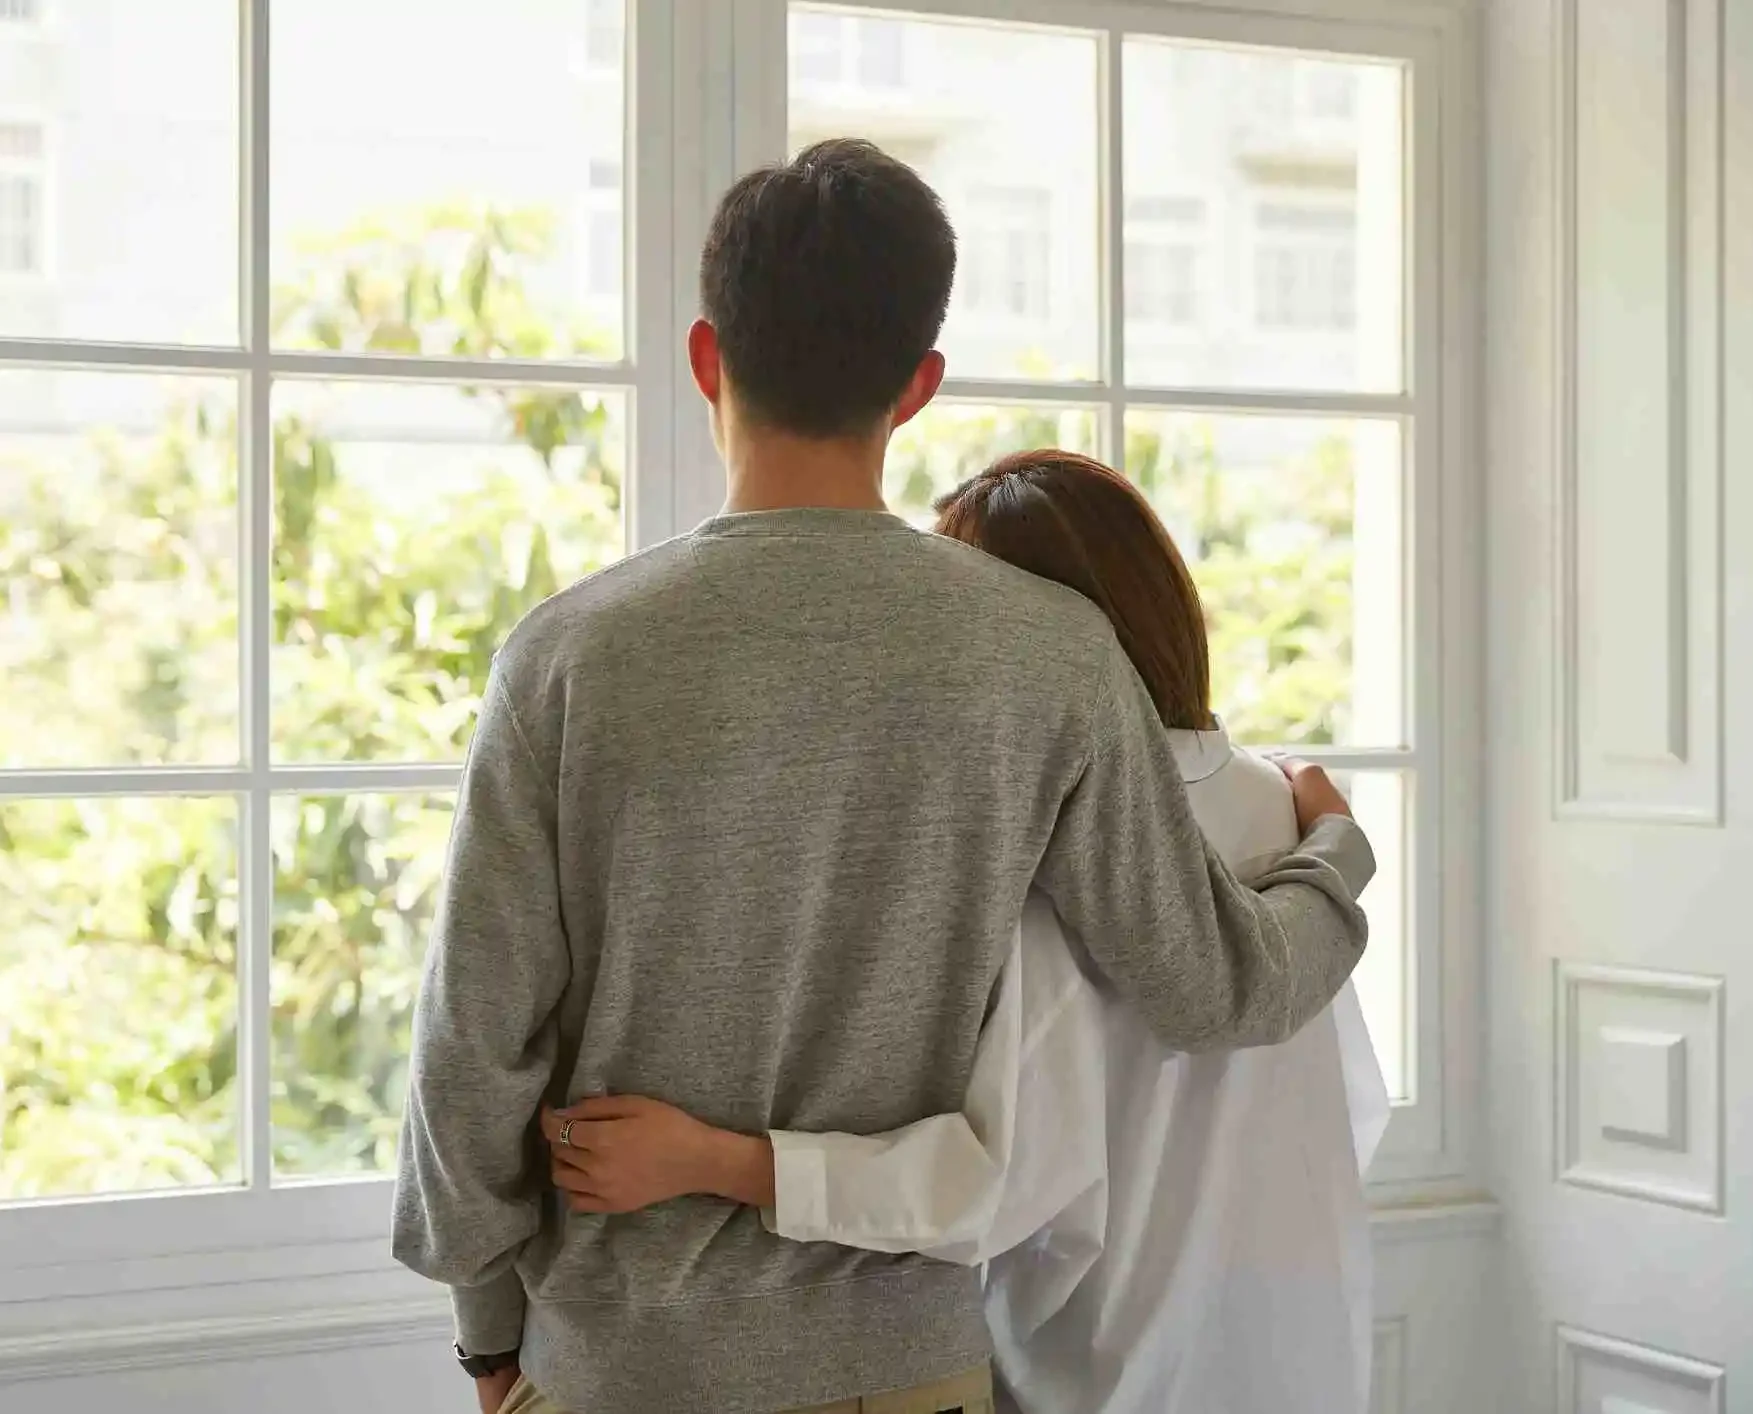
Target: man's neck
x,y
775,472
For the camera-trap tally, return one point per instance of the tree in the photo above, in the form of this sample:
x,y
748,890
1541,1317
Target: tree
x,y
1271,549
118,918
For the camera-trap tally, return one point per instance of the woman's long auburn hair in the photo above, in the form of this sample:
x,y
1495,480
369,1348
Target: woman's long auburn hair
x,y
1073,520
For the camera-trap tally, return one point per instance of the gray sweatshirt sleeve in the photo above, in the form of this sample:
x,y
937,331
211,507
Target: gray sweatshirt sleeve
x,y
1210,963
467,1194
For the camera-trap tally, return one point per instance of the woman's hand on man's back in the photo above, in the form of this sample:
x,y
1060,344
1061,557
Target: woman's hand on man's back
x,y
1313,791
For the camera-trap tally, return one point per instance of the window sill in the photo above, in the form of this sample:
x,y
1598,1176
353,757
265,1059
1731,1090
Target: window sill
x,y
299,1299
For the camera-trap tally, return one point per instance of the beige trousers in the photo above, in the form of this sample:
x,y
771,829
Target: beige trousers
x,y
964,1394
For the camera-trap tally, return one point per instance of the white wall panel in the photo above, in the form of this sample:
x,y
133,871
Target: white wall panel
x,y
1639,275
1639,1086
1600,1375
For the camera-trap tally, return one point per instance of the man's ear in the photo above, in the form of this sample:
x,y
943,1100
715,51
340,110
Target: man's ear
x,y
703,359
921,388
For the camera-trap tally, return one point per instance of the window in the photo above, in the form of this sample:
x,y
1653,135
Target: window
x,y
1163,240
1008,245
830,49
603,250
605,34
1272,428
967,91
1288,221
259,535
255,571
23,201
1305,266
1329,92
1299,93
882,56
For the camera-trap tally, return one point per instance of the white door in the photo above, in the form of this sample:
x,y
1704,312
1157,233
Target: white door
x,y
1620,632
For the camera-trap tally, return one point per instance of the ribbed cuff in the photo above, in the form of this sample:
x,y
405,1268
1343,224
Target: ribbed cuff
x,y
489,1318
1339,841
800,1188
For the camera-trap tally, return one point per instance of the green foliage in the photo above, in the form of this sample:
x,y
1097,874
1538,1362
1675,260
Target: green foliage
x,y
949,442
396,570
1272,551
390,588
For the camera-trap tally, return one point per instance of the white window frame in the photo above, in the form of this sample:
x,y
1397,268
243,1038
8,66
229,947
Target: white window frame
x,y
706,99
1429,1153
63,1247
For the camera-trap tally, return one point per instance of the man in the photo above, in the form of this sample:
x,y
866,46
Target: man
x,y
747,825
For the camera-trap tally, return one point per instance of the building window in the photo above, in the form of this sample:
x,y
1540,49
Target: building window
x,y
829,50
1163,240
603,242
1305,266
1329,91
21,12
1290,94
605,34
1007,252
23,200
881,53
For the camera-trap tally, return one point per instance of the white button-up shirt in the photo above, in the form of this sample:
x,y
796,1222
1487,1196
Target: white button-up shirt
x,y
1165,1234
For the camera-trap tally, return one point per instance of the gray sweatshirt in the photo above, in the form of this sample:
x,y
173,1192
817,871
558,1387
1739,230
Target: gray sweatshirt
x,y
746,825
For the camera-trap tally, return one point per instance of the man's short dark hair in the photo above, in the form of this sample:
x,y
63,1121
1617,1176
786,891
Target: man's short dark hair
x,y
827,279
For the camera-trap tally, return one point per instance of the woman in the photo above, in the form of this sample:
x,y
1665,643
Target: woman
x,y
1162,1232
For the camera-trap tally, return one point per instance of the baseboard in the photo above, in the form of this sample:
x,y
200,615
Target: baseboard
x,y
57,1354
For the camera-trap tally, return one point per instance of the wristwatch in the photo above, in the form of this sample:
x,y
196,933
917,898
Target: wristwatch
x,y
478,1367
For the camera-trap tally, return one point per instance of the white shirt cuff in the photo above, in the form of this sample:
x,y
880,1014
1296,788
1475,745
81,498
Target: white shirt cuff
x,y
800,1188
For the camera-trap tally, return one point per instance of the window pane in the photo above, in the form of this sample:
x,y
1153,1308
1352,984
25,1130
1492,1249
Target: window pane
x,y
118,554
414,526
1380,800
949,442
962,104
431,176
1288,174
355,880
118,995
118,217
1292,529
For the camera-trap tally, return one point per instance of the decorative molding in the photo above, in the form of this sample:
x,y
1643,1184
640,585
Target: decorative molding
x,y
1639,430
1388,1366
1639,1086
1599,1372
1444,1222
55,1354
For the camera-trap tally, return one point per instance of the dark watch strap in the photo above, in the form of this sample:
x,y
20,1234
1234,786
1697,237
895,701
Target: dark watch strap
x,y
478,1367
